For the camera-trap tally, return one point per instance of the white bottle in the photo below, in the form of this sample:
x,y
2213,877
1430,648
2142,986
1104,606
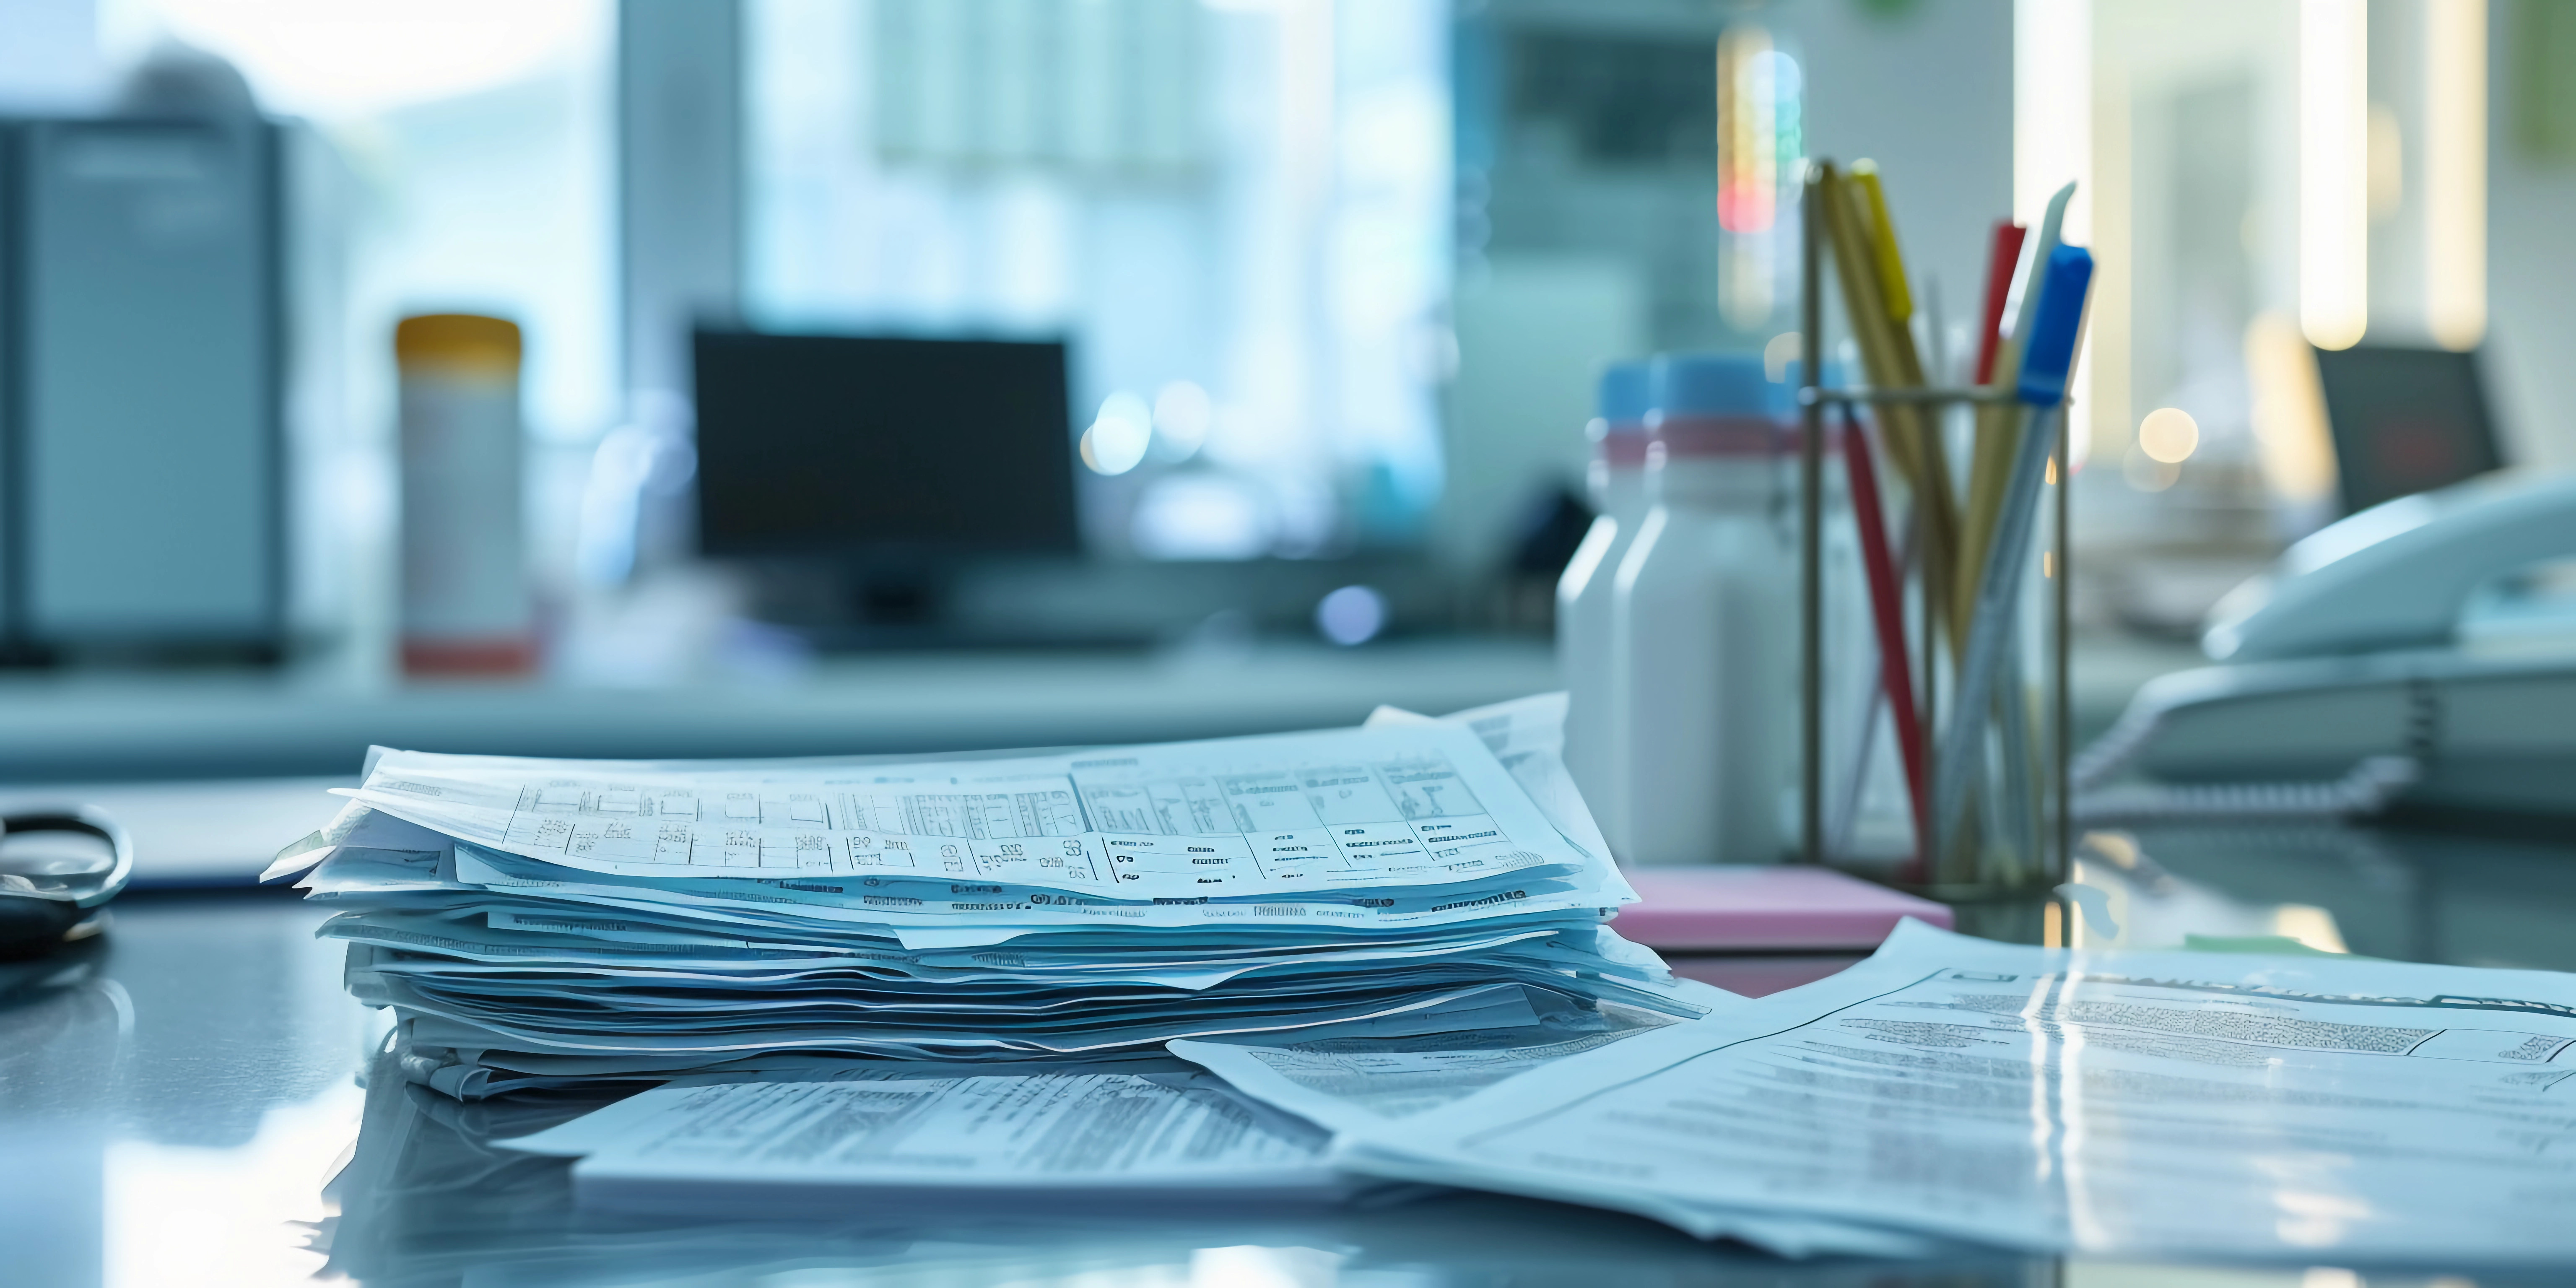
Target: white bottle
x,y
1703,620
466,603
1584,657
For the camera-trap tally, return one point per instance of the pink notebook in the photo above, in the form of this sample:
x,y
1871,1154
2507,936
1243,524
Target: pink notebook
x,y
1766,907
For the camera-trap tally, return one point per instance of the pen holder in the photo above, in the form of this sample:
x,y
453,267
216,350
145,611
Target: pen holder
x,y
1960,687
1938,757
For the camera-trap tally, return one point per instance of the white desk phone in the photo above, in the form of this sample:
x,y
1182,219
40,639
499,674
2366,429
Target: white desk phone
x,y
2418,651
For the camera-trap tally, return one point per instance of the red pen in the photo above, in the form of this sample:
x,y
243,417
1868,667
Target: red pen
x,y
2000,261
1887,608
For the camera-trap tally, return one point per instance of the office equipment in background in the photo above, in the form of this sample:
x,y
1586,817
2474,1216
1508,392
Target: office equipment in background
x,y
466,602
58,869
140,388
2404,420
891,459
1782,907
2420,652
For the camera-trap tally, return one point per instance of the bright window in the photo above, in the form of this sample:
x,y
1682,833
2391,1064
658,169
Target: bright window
x,y
1239,215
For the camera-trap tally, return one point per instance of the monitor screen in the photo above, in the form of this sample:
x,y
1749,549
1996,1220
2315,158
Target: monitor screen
x,y
2404,420
858,446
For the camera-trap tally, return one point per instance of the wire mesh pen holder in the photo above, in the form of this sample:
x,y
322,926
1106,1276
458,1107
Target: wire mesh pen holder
x,y
1983,750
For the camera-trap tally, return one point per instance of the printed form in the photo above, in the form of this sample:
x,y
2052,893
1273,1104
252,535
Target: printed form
x,y
1349,808
2147,1103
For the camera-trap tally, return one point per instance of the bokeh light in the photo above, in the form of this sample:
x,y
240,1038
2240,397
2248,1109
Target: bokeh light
x,y
1119,435
1351,615
1182,414
2169,434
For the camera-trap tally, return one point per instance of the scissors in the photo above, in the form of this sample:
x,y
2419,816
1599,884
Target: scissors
x,y
52,889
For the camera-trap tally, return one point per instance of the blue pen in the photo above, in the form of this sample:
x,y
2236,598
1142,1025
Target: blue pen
x,y
2046,362
2051,353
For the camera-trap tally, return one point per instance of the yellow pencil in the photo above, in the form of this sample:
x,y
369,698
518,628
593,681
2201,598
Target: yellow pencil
x,y
1866,261
1891,266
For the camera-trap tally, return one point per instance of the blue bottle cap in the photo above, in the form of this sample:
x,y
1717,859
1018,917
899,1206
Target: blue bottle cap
x,y
1716,384
1623,393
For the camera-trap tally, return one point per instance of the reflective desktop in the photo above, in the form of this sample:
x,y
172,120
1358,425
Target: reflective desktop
x,y
193,1099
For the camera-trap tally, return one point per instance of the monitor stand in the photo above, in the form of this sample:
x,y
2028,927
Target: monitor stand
x,y
894,606
897,599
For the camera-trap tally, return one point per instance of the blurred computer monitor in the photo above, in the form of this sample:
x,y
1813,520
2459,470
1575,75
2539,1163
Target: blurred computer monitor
x,y
871,450
2404,420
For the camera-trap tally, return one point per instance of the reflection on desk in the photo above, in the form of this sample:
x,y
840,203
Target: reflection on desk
x,y
427,1199
172,1099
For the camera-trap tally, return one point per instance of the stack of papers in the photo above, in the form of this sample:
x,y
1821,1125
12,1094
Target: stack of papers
x,y
545,923
1070,1137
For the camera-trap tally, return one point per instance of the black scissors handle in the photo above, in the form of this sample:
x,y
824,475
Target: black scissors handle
x,y
34,917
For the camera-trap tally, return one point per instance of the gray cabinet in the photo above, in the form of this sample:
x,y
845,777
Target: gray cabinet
x,y
143,476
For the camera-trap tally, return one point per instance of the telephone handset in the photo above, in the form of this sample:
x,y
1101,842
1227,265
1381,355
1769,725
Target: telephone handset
x,y
2414,651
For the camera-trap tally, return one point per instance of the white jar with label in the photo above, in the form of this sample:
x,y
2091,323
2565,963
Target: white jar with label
x,y
1616,481
1703,622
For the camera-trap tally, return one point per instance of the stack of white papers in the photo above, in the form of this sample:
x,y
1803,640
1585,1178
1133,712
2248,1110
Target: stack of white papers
x,y
540,923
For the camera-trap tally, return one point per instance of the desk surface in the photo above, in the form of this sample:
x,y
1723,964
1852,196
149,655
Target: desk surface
x,y
171,1102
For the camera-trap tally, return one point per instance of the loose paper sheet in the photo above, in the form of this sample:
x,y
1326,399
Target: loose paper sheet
x,y
1073,1131
2145,1103
1347,1085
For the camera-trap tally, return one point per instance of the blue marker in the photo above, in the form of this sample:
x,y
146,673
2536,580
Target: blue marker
x,y
2054,325
2045,362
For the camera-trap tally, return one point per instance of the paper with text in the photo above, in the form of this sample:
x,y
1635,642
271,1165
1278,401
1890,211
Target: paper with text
x,y
1349,1084
2154,1104
1337,809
